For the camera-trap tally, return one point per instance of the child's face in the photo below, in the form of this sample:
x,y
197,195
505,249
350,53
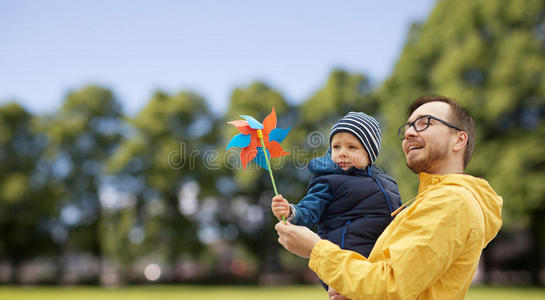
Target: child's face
x,y
347,151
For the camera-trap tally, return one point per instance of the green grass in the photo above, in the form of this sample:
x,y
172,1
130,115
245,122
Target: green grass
x,y
224,292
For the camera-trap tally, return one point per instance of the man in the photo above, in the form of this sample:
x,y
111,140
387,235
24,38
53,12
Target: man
x,y
432,248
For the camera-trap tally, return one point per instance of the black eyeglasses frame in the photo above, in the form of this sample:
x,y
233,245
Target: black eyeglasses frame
x,y
403,128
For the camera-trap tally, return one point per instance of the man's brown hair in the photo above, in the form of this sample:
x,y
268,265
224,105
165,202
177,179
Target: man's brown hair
x,y
460,117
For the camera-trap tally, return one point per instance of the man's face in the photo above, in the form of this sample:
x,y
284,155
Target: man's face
x,y
347,151
428,150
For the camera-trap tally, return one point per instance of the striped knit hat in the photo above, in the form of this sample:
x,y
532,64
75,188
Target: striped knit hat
x,y
364,127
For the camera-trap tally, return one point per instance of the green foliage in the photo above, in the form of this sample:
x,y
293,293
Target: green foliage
x,y
152,163
248,205
79,139
26,201
489,55
343,92
255,100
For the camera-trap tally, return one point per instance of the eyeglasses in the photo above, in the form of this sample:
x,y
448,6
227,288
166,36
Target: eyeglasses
x,y
420,124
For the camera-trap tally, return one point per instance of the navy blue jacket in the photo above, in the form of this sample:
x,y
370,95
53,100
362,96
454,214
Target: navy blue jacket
x,y
351,208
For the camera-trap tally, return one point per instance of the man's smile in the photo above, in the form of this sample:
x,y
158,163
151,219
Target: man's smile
x,y
413,146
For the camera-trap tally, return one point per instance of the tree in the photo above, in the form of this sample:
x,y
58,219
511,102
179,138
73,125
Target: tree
x,y
81,136
343,92
249,202
489,55
27,200
167,149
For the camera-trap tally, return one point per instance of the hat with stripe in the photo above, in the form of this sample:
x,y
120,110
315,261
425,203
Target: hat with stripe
x,y
365,128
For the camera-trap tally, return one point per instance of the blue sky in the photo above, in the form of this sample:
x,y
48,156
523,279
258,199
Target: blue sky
x,y
135,47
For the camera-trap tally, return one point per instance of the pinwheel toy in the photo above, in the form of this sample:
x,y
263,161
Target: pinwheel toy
x,y
252,135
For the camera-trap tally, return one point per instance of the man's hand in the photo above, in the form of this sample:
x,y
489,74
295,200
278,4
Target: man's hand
x,y
298,240
280,207
334,295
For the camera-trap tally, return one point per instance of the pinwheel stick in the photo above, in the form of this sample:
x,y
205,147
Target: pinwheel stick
x,y
260,136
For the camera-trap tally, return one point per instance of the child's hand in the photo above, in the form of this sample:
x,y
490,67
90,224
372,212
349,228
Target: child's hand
x,y
280,206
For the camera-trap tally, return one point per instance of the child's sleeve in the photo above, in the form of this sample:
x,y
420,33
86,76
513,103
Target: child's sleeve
x,y
310,209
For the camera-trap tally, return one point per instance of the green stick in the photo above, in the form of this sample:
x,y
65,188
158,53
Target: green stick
x,y
260,135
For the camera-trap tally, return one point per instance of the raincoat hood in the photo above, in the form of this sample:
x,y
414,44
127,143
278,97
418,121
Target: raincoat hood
x,y
489,202
324,164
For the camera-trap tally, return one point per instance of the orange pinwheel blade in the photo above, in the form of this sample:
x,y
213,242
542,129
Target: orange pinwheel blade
x,y
275,150
269,123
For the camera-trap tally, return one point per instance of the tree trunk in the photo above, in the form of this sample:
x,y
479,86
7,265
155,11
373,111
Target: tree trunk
x,y
537,231
15,269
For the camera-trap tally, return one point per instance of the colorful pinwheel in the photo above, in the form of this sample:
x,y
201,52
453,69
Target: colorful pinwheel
x,y
252,135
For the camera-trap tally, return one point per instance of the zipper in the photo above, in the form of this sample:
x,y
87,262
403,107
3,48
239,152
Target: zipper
x,y
380,188
345,230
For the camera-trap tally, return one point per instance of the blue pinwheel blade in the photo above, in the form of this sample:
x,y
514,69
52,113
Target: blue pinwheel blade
x,y
260,158
239,140
254,124
278,134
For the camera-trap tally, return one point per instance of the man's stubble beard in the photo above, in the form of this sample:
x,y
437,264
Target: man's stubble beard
x,y
428,162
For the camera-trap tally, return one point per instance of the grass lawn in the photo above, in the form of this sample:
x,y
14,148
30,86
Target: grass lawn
x,y
224,292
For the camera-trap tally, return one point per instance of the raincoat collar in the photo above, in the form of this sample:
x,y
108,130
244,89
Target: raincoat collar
x,y
489,202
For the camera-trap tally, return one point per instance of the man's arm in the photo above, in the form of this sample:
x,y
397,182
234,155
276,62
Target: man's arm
x,y
419,250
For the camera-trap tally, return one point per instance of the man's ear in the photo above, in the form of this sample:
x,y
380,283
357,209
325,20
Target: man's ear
x,y
461,141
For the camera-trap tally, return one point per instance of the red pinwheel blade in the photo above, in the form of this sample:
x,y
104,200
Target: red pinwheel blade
x,y
248,153
242,126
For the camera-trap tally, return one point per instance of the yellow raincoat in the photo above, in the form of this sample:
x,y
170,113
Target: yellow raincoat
x,y
429,251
